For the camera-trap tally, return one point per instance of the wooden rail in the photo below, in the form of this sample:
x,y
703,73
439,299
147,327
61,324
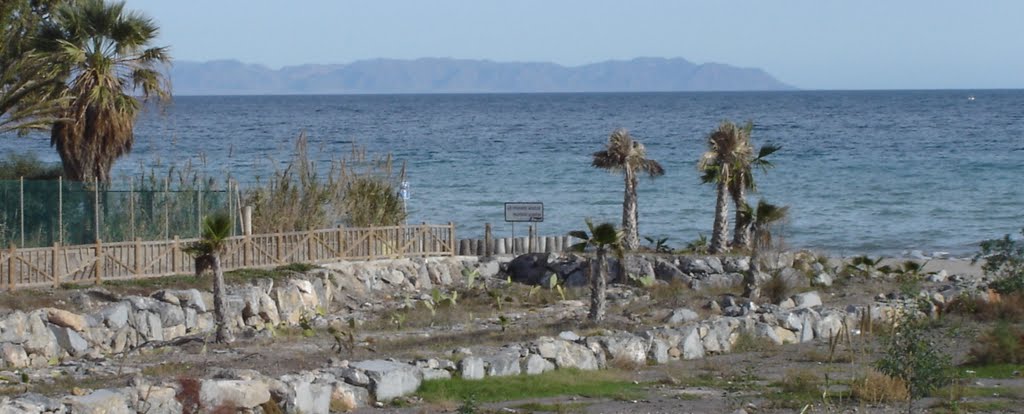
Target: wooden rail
x,y
94,263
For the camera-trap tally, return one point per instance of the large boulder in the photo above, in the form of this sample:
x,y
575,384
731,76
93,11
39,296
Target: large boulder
x,y
308,395
389,380
666,270
528,268
244,394
535,364
566,354
99,402
13,355
504,364
624,348
70,340
471,368
66,319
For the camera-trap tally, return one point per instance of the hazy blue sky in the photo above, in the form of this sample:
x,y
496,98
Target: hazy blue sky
x,y
814,44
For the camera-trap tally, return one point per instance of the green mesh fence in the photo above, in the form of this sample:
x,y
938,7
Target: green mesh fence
x,y
37,213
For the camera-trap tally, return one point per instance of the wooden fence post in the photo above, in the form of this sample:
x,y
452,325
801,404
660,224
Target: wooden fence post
x,y
55,257
451,238
138,258
277,247
340,242
488,240
309,247
98,269
174,255
10,267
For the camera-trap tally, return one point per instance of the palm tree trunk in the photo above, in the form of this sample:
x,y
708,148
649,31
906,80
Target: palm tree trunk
x,y
598,283
219,309
750,288
631,240
741,230
720,232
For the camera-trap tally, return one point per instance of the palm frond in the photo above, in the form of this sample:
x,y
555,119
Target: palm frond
x,y
579,234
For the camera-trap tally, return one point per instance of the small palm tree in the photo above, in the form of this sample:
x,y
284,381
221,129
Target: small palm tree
x,y
207,251
762,220
603,237
623,153
728,149
104,52
744,181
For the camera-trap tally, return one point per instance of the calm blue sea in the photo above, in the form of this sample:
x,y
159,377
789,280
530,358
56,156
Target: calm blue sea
x,y
863,172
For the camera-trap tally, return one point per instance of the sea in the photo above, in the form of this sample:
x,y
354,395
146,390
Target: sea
x,y
863,172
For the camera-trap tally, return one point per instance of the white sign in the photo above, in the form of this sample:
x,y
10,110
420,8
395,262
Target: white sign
x,y
531,212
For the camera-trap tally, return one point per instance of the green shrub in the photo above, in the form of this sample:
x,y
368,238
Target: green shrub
x,y
1004,262
1004,344
14,166
912,353
371,201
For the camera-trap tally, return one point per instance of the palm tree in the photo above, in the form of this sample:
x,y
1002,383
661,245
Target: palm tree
x,y
602,237
207,251
625,154
762,220
727,148
743,181
28,80
104,51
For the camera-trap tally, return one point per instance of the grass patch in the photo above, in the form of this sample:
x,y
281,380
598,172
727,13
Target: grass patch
x,y
576,407
591,384
995,371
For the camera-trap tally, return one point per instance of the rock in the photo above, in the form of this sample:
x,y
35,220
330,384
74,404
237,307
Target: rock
x,y
390,379
735,264
665,270
766,331
566,354
38,338
534,364
681,315
435,374
785,335
165,296
822,279
355,377
471,368
658,352
238,393
31,403
715,264
787,304
307,395
157,400
938,277
828,326
99,402
393,277
694,266
346,397
66,319
503,364
625,348
115,316
569,336
529,268
14,356
70,340
807,299
691,344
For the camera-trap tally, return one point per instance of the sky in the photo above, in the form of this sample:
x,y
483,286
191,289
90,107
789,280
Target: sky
x,y
811,44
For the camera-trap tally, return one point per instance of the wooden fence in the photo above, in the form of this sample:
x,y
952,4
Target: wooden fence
x,y
53,266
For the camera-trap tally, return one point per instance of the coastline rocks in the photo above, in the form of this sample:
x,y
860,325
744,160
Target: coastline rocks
x,y
390,379
238,393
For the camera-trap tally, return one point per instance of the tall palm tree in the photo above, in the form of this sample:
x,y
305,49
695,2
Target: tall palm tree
x,y
603,237
623,153
207,251
727,149
106,57
761,222
743,181
28,80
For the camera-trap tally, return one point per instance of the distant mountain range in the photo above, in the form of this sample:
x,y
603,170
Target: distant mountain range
x,y
442,75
